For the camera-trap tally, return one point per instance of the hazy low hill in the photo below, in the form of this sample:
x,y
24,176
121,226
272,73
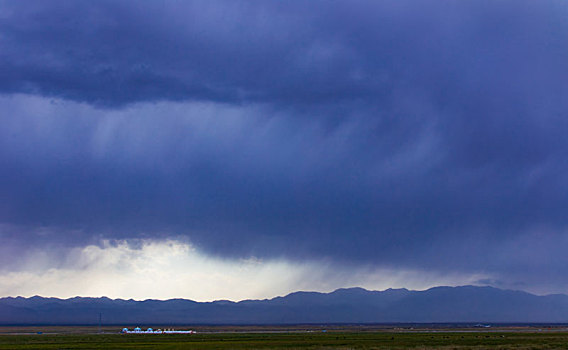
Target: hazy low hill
x,y
354,305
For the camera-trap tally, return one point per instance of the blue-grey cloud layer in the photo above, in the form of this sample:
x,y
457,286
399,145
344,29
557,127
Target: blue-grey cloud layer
x,y
426,134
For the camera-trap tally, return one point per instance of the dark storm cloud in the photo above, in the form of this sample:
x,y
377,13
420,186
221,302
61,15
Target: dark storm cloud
x,y
317,52
426,134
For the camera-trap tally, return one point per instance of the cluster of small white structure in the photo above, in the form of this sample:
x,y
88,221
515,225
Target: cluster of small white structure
x,y
139,330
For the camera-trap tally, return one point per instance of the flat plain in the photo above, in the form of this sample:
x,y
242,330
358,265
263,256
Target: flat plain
x,y
285,338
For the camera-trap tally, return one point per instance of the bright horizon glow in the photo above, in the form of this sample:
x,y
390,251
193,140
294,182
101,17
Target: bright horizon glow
x,y
167,269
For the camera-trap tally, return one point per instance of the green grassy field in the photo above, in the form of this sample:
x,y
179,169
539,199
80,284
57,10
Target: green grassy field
x,y
329,340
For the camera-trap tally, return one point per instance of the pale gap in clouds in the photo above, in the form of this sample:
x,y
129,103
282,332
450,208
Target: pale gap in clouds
x,y
165,269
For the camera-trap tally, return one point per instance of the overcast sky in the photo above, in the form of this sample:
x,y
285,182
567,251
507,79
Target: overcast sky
x,y
253,148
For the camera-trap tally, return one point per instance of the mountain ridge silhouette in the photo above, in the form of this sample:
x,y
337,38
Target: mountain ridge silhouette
x,y
345,305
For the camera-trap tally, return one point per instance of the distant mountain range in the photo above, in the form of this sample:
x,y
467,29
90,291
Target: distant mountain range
x,y
353,305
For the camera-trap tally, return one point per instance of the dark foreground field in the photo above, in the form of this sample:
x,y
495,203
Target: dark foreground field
x,y
505,339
